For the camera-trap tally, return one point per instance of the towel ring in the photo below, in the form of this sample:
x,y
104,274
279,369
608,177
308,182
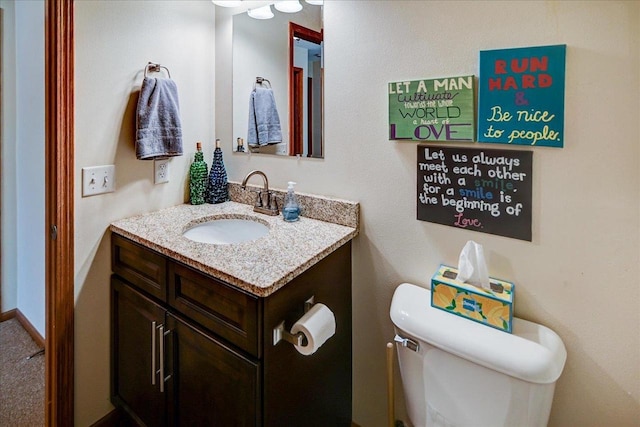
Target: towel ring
x,y
155,68
260,81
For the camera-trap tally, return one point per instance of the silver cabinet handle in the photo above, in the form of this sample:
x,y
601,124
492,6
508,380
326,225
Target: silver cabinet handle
x,y
153,353
161,335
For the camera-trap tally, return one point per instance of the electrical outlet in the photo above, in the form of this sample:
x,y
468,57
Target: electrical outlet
x,y
161,174
98,180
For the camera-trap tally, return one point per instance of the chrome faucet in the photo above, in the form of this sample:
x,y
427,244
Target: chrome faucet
x,y
265,200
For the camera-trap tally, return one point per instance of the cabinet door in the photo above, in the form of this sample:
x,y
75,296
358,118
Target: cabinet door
x,y
137,323
211,384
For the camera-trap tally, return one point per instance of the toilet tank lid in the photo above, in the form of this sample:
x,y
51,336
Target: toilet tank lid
x,y
532,353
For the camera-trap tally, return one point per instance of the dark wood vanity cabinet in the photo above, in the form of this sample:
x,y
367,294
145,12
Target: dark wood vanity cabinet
x,y
191,350
205,383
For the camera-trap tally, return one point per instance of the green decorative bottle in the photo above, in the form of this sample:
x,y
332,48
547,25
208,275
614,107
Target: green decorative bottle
x,y
198,177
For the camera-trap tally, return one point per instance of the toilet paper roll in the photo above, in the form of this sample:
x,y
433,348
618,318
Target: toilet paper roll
x,y
318,325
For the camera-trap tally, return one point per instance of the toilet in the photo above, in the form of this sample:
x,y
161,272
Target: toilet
x,y
456,372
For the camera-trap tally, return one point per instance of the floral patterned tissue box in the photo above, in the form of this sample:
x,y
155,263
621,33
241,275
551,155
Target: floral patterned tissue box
x,y
490,307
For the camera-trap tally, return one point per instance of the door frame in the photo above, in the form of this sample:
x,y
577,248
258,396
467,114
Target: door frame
x,y
1,138
296,116
59,212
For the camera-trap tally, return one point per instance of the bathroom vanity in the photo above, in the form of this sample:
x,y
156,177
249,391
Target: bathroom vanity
x,y
193,324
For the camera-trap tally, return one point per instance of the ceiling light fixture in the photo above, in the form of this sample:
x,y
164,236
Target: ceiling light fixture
x,y
227,3
263,12
315,2
288,6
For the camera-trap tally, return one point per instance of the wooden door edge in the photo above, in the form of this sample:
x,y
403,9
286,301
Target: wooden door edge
x,y
59,217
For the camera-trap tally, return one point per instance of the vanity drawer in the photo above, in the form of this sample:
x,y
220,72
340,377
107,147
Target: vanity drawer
x,y
140,266
228,312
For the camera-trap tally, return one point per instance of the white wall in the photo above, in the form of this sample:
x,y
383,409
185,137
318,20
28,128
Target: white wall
x,y
579,275
114,41
8,132
23,227
30,171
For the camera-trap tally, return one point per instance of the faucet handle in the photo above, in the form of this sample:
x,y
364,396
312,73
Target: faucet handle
x,y
258,202
273,202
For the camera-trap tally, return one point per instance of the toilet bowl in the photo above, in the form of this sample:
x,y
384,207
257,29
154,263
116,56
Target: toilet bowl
x,y
460,373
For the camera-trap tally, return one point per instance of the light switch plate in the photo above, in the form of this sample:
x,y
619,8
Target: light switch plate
x,y
98,180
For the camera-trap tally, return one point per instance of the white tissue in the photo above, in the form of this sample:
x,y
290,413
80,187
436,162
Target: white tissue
x,y
318,325
472,267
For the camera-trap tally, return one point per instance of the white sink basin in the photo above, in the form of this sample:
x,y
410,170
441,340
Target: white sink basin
x,y
226,231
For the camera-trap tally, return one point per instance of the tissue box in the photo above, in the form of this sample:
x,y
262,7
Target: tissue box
x,y
490,307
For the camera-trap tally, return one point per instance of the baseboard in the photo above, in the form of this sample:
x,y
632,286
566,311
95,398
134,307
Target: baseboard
x,y
8,315
31,330
39,339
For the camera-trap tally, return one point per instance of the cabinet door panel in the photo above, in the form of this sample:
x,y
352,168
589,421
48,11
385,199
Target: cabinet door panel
x,y
135,320
211,384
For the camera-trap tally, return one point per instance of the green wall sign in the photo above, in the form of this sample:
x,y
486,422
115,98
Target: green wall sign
x,y
432,109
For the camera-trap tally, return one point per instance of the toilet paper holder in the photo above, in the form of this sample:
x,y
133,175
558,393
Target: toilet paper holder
x,y
281,333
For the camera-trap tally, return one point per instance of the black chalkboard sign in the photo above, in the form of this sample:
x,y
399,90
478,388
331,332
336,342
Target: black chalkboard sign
x,y
476,189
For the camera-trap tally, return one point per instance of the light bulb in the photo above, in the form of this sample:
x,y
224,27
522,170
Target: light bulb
x,y
289,6
263,12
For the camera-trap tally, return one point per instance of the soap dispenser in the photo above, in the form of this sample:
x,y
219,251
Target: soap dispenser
x,y
291,209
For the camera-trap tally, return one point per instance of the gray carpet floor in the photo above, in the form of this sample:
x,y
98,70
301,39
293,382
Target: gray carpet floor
x,y
21,379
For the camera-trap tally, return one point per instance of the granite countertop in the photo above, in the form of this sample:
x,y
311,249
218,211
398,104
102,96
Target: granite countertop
x,y
261,266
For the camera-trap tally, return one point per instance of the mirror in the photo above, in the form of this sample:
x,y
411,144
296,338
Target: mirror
x,y
278,62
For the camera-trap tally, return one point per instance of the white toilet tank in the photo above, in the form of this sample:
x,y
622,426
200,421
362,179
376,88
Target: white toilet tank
x,y
467,374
